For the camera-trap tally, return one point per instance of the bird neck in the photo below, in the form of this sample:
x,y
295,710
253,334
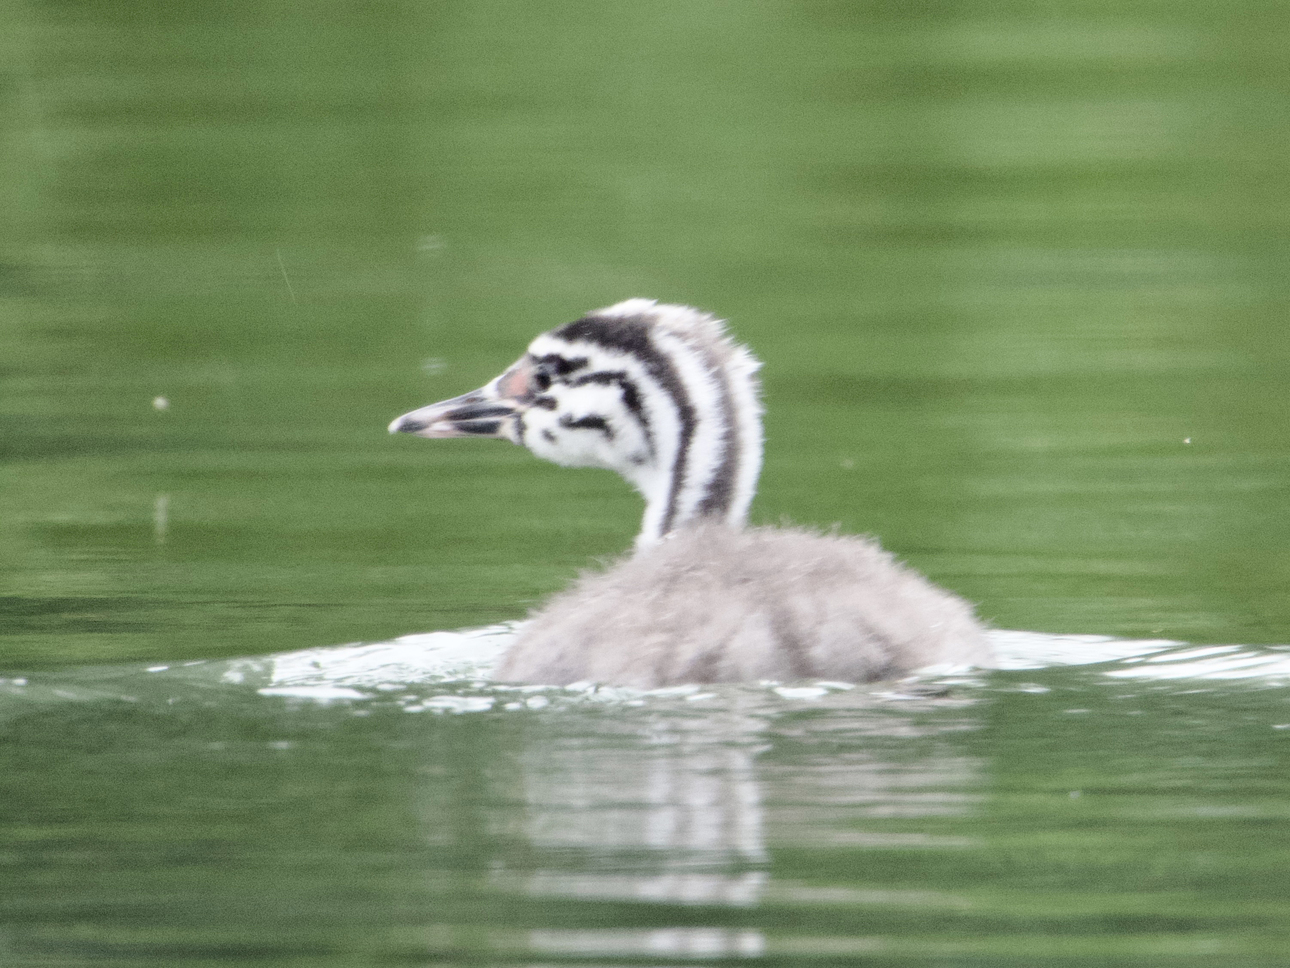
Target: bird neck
x,y
709,472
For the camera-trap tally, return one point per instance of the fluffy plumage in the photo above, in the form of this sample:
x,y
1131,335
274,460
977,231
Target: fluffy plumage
x,y
663,396
712,604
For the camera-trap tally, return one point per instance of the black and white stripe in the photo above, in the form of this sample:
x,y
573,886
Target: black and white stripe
x,y
689,393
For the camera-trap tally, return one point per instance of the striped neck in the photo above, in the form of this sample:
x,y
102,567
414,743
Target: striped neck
x,y
679,399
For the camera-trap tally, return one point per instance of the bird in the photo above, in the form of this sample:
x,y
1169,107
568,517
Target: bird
x,y
664,396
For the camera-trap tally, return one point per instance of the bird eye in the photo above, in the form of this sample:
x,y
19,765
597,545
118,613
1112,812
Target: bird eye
x,y
542,381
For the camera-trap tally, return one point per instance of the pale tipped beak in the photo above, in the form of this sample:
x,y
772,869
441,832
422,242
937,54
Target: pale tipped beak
x,y
480,413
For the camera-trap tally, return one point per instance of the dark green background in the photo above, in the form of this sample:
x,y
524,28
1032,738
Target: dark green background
x,y
1001,260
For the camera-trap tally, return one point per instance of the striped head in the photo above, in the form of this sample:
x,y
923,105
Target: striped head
x,y
659,394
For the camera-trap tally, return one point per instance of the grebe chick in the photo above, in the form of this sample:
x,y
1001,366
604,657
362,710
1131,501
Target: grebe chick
x,y
664,397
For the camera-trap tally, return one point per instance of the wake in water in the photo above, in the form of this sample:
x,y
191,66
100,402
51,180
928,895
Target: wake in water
x,y
451,672
472,653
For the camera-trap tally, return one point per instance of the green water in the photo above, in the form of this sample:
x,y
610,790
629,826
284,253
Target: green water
x,y
1045,817
1018,276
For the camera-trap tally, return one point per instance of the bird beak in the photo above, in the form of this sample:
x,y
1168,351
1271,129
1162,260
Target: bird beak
x,y
490,411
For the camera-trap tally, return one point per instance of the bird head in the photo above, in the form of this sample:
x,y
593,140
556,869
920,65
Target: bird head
x,y
657,393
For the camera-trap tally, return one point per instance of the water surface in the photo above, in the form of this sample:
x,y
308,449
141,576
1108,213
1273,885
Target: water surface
x,y
316,808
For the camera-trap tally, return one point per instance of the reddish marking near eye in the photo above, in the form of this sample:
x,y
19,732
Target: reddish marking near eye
x,y
514,383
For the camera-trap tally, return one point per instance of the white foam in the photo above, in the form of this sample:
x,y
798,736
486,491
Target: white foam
x,y
468,657
1036,650
1225,662
313,693
425,657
